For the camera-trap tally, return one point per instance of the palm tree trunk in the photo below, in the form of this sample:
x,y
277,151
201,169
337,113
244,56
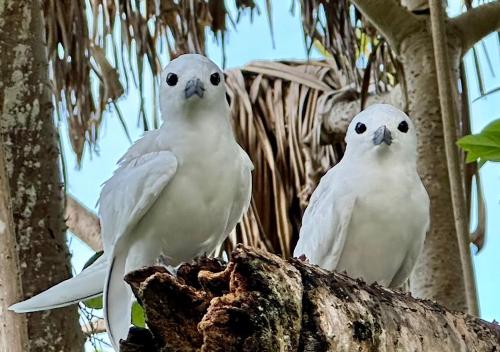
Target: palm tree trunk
x,y
32,162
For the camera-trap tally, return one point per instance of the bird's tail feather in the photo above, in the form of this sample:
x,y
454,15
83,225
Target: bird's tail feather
x,y
87,284
117,301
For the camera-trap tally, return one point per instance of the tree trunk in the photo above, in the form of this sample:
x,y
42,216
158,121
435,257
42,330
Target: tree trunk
x,y
13,333
32,159
438,274
260,302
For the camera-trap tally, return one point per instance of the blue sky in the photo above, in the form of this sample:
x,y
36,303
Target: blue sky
x,y
253,42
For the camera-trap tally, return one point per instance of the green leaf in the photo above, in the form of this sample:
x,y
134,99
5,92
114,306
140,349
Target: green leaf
x,y
484,146
138,318
93,303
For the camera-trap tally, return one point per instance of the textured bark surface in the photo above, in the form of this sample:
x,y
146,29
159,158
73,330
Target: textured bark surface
x,y
32,159
438,274
13,333
260,302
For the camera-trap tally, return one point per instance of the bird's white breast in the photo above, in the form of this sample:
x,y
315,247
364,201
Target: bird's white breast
x,y
194,208
389,217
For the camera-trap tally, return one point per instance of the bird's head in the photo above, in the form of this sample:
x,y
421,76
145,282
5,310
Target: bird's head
x,y
383,131
191,82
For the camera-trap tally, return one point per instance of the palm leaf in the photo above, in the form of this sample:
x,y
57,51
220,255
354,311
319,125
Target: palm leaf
x,y
277,110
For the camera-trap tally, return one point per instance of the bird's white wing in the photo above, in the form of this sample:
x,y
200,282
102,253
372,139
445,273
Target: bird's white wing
x,y
325,223
142,174
151,141
125,198
242,202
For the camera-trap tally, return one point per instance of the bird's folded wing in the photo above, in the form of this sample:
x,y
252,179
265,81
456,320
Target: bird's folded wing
x,y
150,142
125,198
325,225
131,191
242,201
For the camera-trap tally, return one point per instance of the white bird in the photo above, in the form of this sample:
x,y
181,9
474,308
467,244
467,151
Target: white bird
x,y
370,213
177,193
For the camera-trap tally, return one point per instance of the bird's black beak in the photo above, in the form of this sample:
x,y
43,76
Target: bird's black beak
x,y
382,134
194,86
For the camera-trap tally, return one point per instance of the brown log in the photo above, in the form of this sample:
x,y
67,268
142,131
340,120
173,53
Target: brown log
x,y
260,302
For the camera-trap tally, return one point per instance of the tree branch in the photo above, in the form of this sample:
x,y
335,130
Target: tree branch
x,y
260,302
336,119
83,223
392,20
477,23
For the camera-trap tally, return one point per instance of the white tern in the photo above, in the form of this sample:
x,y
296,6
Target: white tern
x,y
177,193
370,212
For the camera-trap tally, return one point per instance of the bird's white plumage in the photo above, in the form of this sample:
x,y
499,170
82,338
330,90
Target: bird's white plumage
x,y
177,192
86,284
369,214
134,187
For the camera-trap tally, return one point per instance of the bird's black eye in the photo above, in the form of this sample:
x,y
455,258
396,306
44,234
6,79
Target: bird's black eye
x,y
403,126
215,79
360,128
172,79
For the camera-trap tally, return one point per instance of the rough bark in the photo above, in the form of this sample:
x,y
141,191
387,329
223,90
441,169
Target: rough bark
x,y
83,223
438,274
13,333
32,159
260,302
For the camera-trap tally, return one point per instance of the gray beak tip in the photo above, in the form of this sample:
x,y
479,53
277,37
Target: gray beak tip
x,y
194,87
382,135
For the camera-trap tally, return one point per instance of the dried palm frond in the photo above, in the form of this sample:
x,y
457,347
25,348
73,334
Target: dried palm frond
x,y
112,39
277,110
119,42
